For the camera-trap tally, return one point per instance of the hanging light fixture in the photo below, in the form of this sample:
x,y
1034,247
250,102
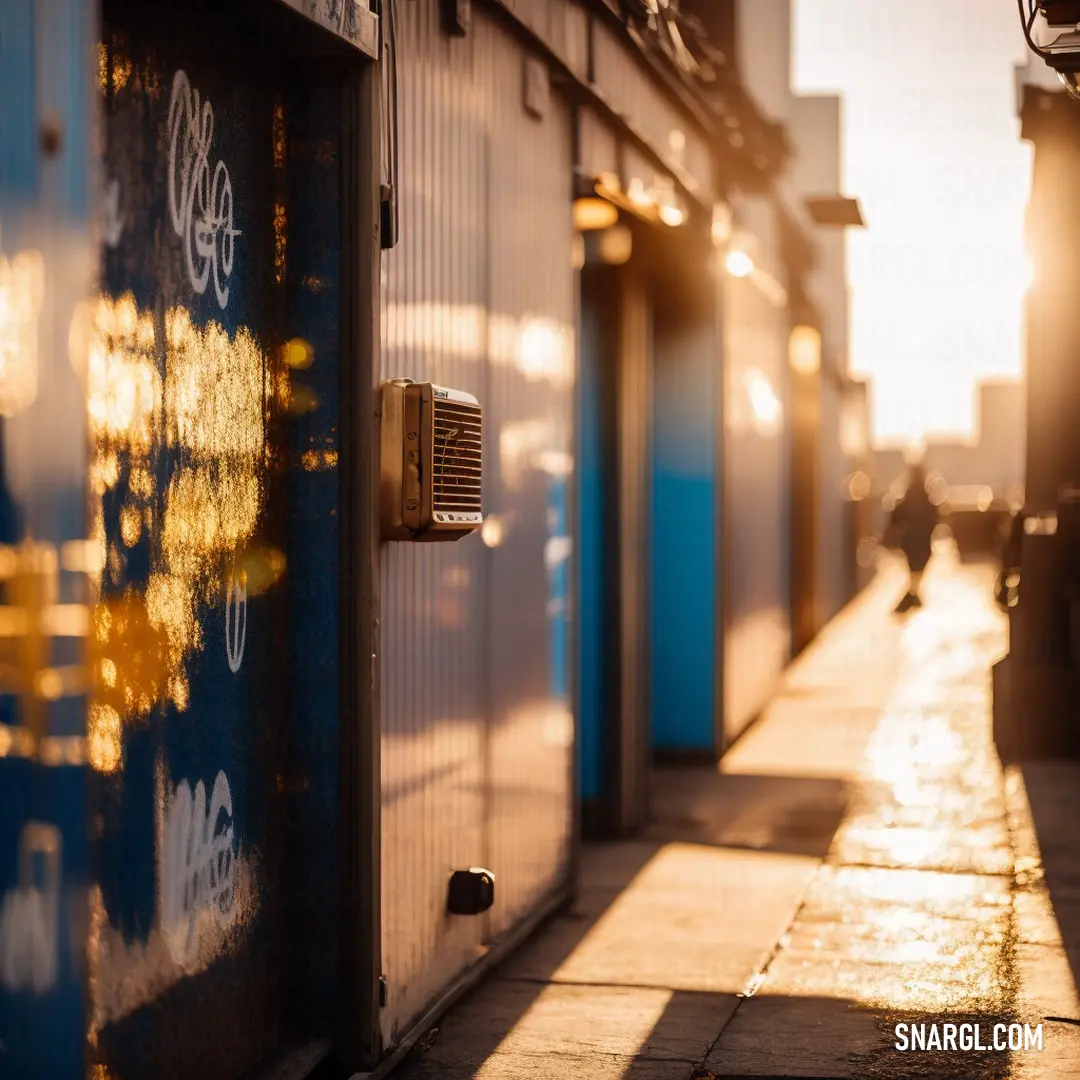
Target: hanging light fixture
x,y
1052,31
592,213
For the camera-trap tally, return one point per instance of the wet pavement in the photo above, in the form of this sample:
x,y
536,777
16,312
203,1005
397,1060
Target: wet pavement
x,y
860,861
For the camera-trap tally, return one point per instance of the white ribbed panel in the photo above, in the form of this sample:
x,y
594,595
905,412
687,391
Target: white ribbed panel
x,y
478,296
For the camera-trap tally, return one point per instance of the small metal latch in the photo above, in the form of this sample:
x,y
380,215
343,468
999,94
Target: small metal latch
x,y
472,891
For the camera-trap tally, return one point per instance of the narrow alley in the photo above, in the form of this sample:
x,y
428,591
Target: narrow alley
x,y
860,861
539,539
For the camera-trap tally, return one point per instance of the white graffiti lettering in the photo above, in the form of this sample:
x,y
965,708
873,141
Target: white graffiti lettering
x,y
198,865
200,199
30,915
235,621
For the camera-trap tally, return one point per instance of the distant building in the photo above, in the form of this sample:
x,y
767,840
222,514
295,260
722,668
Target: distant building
x,y
996,458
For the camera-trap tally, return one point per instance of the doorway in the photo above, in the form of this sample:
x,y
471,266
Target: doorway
x,y
614,473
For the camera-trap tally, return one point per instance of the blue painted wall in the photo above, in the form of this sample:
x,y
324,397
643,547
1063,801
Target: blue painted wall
x,y
44,222
559,571
684,541
219,516
188,799
312,118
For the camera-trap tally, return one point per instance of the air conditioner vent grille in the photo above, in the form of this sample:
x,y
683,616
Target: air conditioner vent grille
x,y
431,462
457,457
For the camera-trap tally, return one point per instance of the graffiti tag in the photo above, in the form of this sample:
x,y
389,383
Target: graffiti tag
x,y
235,621
30,915
200,199
198,865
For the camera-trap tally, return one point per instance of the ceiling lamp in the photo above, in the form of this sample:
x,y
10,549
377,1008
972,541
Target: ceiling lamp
x,y
592,213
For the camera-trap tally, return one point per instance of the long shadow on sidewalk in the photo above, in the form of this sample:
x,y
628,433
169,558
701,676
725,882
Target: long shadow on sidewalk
x,y
643,974
668,931
798,815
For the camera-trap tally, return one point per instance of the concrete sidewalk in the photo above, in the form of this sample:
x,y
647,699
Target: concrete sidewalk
x,y
859,861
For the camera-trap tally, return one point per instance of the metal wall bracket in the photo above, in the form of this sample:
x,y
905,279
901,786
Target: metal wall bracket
x,y
537,91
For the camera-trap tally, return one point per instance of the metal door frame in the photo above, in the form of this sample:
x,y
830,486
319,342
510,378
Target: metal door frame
x,y
360,823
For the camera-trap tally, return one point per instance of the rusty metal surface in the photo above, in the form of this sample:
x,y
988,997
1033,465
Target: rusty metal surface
x,y
211,371
179,404
478,296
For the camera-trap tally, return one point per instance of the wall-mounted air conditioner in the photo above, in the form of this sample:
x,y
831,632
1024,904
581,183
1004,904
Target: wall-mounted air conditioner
x,y
431,471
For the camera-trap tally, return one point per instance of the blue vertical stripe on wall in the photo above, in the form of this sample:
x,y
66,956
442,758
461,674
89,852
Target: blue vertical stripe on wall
x,y
590,567
313,544
558,587
684,547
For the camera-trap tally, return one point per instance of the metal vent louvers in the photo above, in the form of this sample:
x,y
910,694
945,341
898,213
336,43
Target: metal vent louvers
x,y
457,459
431,475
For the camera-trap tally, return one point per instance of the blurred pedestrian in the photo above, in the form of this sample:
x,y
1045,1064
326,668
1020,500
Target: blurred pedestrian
x,y
914,520
1007,585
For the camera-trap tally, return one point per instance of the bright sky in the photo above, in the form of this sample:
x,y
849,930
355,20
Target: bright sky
x,y
932,150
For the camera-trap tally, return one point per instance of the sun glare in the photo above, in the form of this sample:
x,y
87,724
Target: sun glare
x,y
932,150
